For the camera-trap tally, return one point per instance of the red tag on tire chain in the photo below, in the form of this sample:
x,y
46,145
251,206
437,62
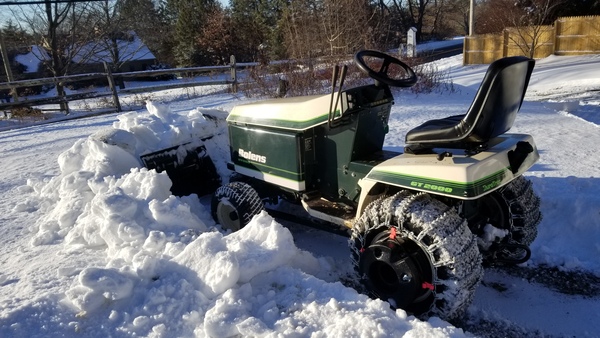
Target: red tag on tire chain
x,y
393,233
429,286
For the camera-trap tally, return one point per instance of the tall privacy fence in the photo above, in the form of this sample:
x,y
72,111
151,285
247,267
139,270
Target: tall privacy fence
x,y
567,36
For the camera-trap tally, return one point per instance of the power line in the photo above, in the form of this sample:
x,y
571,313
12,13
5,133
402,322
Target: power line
x,y
41,2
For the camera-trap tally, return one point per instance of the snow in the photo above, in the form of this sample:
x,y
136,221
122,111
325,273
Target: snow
x,y
428,46
32,59
94,245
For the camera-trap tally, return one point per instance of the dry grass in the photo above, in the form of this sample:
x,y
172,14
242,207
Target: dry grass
x,y
298,78
27,114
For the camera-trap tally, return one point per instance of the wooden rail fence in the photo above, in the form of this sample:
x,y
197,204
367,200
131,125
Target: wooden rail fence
x,y
228,71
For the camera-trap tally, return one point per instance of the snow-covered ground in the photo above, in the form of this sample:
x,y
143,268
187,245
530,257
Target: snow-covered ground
x,y
92,247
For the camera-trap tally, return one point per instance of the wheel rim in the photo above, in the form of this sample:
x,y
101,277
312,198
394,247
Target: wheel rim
x,y
399,269
493,210
228,217
490,209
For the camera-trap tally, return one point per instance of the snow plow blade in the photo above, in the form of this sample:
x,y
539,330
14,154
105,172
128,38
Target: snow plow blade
x,y
189,167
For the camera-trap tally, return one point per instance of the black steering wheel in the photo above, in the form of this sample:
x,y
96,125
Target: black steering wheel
x,y
382,75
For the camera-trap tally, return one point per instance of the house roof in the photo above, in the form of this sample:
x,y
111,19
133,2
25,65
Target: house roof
x,y
97,52
32,59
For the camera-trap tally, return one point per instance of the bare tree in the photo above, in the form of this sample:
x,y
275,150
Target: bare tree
x,y
460,16
301,33
115,40
529,25
418,10
524,20
329,27
431,18
57,28
347,25
446,18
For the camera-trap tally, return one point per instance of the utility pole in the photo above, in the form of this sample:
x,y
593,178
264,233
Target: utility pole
x,y
471,16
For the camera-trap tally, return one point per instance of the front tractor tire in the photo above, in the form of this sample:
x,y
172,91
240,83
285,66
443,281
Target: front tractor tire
x,y
233,205
418,254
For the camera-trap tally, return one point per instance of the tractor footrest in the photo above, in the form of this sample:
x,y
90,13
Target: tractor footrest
x,y
333,209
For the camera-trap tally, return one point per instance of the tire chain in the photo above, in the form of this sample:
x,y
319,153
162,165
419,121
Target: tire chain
x,y
242,193
453,249
524,209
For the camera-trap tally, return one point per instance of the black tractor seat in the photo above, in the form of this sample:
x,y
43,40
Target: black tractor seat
x,y
491,114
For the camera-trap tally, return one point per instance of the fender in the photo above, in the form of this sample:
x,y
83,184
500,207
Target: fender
x,y
459,176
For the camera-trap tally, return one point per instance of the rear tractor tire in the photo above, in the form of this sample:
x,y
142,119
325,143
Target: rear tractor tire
x,y
418,254
233,205
506,222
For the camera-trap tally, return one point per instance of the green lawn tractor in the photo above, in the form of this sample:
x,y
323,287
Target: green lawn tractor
x,y
422,222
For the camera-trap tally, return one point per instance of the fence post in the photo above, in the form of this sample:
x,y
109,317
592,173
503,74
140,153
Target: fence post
x,y
63,103
466,48
411,42
505,42
557,31
111,85
233,76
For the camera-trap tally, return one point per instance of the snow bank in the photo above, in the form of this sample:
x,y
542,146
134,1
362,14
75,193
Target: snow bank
x,y
161,128
570,240
168,270
242,284
104,197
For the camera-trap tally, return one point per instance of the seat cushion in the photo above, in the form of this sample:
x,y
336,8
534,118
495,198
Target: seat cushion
x,y
491,113
442,130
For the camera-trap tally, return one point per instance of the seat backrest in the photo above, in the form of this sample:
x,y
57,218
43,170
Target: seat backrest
x,y
498,99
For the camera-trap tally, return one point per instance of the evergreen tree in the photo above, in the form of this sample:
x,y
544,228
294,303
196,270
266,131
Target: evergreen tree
x,y
189,18
151,25
16,37
258,35
215,41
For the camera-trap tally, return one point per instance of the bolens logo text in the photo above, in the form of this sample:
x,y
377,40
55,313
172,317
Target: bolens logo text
x,y
252,157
